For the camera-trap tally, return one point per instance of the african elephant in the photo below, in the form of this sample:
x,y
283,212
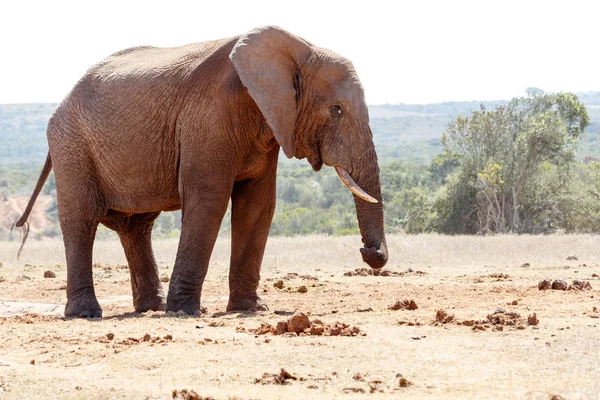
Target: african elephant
x,y
158,129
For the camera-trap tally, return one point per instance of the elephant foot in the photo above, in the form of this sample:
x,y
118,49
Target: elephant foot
x,y
151,302
186,305
253,303
83,307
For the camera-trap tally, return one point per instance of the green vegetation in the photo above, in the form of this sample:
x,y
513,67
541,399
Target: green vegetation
x,y
526,165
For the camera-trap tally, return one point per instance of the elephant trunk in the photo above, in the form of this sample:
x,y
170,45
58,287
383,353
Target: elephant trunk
x,y
369,209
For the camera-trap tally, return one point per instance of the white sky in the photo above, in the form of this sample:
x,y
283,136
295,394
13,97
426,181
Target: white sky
x,y
404,51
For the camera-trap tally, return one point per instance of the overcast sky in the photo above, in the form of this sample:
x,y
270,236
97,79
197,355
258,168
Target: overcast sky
x,y
404,51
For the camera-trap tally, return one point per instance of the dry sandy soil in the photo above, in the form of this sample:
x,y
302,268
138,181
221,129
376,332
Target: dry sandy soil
x,y
403,353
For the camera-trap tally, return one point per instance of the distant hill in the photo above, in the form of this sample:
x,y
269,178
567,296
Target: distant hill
x,y
412,132
407,132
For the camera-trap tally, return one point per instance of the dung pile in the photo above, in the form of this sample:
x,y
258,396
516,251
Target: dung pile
x,y
300,325
372,272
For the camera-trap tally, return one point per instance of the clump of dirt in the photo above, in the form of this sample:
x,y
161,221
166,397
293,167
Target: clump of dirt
x,y
129,341
302,289
372,272
404,383
300,325
496,320
353,390
49,274
545,285
30,318
294,275
572,258
509,318
403,305
279,284
281,328
499,276
282,378
188,395
442,317
409,323
411,271
359,377
164,278
559,284
110,267
533,319
580,285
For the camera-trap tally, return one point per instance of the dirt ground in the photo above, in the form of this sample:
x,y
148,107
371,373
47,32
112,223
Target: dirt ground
x,y
473,333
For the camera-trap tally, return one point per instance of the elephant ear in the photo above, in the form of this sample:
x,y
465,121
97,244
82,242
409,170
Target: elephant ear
x,y
266,60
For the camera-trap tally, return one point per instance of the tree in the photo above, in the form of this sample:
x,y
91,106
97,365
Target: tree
x,y
501,155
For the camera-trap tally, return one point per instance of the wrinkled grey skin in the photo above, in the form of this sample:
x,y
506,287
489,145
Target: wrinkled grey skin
x,y
158,129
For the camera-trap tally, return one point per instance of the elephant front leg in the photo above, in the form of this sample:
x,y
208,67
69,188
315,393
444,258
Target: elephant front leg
x,y
253,204
203,210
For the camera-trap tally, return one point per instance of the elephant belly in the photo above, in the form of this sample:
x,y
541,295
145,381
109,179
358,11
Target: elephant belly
x,y
140,189
143,204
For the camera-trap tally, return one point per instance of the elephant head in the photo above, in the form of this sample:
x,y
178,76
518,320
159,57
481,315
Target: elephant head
x,y
314,103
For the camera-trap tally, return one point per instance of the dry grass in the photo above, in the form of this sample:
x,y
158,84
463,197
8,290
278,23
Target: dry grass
x,y
325,252
218,355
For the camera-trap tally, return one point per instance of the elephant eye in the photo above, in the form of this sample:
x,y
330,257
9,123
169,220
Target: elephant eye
x,y
336,111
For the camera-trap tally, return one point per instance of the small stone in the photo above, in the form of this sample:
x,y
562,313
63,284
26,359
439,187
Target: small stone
x,y
49,274
572,258
559,285
278,284
110,336
165,278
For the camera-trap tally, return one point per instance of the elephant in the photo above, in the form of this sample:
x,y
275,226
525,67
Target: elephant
x,y
153,129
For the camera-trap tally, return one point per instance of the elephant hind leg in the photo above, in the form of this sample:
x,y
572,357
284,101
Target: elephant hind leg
x,y
79,215
135,233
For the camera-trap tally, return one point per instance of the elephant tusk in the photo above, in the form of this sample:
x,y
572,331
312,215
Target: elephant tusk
x,y
353,186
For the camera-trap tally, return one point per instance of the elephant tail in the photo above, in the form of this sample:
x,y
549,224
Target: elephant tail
x,y
38,188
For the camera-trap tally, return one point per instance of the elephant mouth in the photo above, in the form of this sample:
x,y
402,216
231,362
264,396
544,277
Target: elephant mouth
x,y
315,159
316,163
